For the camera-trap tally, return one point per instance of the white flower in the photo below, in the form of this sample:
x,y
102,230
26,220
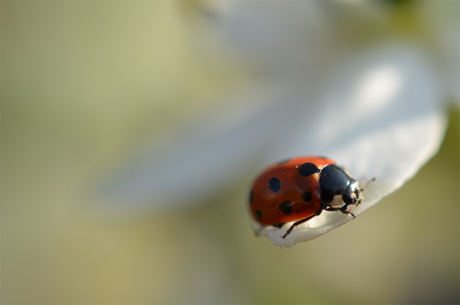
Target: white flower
x,y
328,78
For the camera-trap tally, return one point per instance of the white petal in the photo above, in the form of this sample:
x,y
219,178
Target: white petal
x,y
443,19
205,157
388,136
291,37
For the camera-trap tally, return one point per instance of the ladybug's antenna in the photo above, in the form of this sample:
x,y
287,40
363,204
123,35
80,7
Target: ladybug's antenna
x,y
367,184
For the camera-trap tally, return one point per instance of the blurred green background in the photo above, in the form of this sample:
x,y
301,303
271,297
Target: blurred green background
x,y
81,81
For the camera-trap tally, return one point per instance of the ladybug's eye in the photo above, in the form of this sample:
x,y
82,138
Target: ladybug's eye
x,y
351,194
348,199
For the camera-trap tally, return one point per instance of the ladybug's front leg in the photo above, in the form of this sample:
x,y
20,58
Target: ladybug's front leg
x,y
348,213
344,211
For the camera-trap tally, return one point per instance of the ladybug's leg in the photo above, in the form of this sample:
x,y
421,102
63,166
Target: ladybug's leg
x,y
300,222
348,213
342,209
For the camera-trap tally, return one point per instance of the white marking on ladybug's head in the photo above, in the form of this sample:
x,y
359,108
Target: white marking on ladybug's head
x,y
337,202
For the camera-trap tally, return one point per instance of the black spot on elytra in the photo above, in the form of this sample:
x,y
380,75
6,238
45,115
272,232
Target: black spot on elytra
x,y
284,161
251,196
259,214
306,196
279,226
285,207
308,169
274,184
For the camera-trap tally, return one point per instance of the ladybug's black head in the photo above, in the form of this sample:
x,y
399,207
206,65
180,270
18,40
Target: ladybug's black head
x,y
338,189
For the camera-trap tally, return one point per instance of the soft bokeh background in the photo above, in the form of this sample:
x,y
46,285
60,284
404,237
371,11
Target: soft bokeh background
x,y
83,82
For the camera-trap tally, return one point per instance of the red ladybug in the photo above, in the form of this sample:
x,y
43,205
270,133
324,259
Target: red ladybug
x,y
299,189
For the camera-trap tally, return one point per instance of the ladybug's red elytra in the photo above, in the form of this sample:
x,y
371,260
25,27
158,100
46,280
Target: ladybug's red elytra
x,y
299,189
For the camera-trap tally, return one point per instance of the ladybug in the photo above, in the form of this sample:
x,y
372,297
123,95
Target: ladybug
x,y
299,189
